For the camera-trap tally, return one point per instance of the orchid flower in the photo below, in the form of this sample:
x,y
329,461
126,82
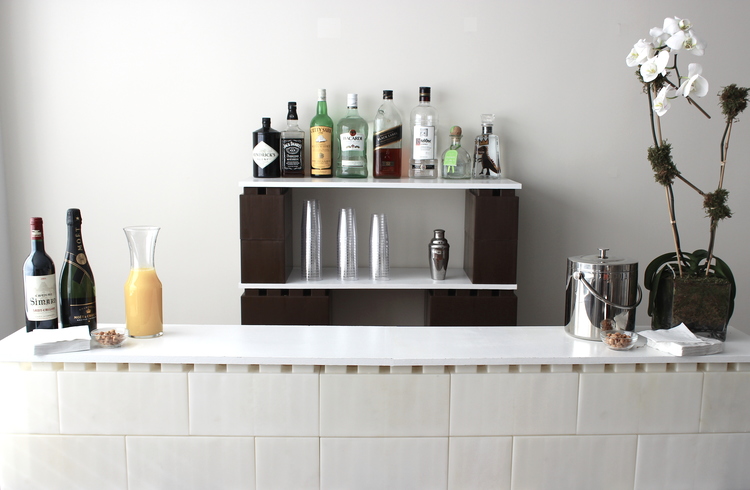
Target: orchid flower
x,y
641,52
653,67
687,40
694,84
659,37
661,102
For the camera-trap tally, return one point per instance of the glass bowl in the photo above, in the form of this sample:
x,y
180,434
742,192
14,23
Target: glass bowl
x,y
619,339
109,337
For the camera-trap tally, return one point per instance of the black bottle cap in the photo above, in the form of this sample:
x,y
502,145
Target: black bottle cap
x,y
388,94
74,214
292,111
424,93
266,122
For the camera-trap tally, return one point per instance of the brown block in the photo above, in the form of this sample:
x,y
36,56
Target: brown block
x,y
265,213
265,260
491,214
286,307
470,308
490,261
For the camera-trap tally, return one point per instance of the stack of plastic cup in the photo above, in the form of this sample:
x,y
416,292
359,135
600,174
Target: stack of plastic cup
x,y
380,268
310,263
347,245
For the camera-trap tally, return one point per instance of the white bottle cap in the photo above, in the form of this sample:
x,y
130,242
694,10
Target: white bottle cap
x,y
321,94
351,100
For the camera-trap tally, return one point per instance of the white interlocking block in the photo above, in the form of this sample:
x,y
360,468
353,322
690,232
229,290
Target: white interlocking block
x,y
42,462
393,463
513,403
254,404
479,463
639,403
726,402
382,405
190,463
29,402
287,462
123,403
574,462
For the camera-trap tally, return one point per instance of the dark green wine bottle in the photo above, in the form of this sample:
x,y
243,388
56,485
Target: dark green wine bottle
x,y
77,289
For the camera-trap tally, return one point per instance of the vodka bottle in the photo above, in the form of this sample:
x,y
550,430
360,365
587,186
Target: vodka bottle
x,y
351,142
457,163
424,126
292,145
487,151
386,161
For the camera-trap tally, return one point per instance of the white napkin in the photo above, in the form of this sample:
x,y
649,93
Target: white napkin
x,y
680,341
56,340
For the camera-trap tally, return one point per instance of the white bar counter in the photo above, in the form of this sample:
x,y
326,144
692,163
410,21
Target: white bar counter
x,y
262,407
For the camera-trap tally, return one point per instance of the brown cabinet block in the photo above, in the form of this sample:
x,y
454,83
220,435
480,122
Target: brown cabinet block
x,y
490,261
265,260
286,307
265,213
470,308
491,214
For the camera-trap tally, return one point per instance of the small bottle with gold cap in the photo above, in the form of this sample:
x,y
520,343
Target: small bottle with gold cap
x,y
457,162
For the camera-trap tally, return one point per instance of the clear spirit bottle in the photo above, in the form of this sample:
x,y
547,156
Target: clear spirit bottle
x,y
457,163
292,145
351,142
386,161
487,151
424,125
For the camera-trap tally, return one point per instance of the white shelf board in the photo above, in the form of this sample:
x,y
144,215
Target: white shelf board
x,y
372,183
401,278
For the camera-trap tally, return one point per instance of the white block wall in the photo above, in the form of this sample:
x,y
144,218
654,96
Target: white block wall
x,y
143,426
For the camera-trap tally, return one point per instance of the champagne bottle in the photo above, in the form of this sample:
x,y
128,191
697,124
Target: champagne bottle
x,y
321,139
77,289
266,151
40,287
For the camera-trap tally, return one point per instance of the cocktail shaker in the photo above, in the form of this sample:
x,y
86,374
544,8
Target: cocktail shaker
x,y
438,255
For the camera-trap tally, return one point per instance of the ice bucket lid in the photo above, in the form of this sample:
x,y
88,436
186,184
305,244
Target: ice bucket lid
x,y
600,262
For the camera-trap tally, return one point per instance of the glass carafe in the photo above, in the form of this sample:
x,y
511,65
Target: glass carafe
x,y
143,301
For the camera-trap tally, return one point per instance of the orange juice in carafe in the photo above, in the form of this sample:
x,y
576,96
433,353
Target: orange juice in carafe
x,y
143,304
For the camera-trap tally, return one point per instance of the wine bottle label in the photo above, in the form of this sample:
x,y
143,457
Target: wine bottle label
x,y
352,141
41,297
320,150
387,137
423,147
291,153
264,155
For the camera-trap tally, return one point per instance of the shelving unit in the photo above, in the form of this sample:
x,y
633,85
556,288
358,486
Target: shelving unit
x,y
480,293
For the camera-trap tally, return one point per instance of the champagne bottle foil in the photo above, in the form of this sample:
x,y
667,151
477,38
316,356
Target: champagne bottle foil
x,y
347,245
379,254
310,262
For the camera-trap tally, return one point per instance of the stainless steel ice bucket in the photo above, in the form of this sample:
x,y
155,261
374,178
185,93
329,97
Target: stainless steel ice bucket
x,y
600,287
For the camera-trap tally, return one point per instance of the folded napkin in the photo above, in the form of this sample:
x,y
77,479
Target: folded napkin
x,y
680,341
56,340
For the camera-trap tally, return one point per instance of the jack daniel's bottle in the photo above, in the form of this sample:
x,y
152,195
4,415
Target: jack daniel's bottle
x,y
292,145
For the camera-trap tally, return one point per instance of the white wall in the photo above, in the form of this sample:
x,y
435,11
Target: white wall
x,y
141,112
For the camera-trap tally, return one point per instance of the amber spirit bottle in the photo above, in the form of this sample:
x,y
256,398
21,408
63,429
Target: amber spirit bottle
x,y
386,161
321,139
266,151
292,145
424,126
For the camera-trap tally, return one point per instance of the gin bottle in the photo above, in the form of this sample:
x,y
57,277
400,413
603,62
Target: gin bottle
x,y
424,124
351,142
266,151
321,139
457,163
487,151
292,145
386,162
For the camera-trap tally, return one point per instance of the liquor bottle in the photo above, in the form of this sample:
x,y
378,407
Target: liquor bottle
x,y
487,151
351,142
457,163
77,289
39,285
321,139
424,125
292,145
386,161
266,151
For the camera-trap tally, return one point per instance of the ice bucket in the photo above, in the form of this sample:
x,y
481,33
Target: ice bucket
x,y
600,287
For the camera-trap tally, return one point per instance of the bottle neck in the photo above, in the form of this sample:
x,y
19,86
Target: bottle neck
x,y
486,129
322,107
37,238
75,240
455,142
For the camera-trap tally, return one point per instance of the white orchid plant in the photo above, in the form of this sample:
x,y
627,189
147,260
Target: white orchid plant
x,y
657,61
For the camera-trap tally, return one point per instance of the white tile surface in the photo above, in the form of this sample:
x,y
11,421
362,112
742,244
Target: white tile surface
x,y
39,462
513,403
254,404
693,461
384,463
287,463
384,405
479,463
573,462
123,403
29,402
726,402
639,403
190,463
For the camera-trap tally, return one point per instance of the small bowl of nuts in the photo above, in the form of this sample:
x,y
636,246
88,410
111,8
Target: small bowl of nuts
x,y
109,337
619,339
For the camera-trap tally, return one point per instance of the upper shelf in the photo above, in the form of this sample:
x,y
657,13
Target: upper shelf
x,y
373,183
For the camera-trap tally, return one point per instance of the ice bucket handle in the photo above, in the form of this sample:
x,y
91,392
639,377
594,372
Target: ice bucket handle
x,y
579,277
